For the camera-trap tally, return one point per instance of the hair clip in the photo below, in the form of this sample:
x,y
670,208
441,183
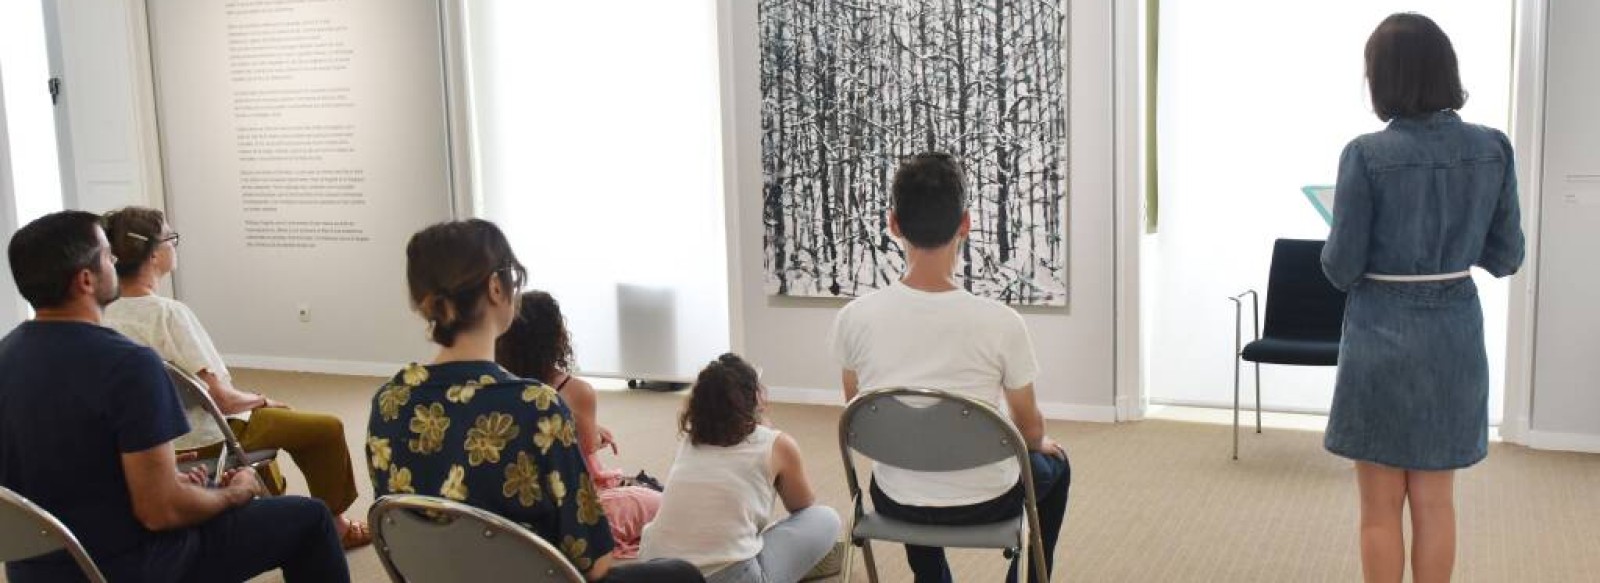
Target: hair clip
x,y
138,236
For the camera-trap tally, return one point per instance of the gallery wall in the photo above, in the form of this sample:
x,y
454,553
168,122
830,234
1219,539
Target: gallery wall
x,y
786,336
303,143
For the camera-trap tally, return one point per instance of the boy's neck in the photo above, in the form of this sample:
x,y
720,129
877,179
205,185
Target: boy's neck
x,y
931,270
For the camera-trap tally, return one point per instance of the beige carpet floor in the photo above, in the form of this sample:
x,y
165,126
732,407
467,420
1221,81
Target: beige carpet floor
x,y
1150,501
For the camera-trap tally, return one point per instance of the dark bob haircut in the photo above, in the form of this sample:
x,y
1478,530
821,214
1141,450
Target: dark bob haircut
x,y
1411,68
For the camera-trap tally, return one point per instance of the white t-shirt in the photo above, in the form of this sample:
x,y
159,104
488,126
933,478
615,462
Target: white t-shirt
x,y
168,327
717,502
952,341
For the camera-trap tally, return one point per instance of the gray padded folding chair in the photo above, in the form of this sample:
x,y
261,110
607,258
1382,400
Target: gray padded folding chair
x,y
423,539
27,531
952,432
192,393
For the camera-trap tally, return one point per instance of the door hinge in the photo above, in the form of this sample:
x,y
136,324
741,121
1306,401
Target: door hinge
x,y
55,90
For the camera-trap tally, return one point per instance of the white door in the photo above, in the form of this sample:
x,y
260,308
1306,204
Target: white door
x,y
1566,398
104,124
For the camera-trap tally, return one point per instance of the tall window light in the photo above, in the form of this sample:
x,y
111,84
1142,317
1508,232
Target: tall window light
x,y
1256,100
598,149
27,128
30,118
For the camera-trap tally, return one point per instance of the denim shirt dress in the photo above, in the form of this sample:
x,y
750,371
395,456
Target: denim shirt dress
x,y
1427,195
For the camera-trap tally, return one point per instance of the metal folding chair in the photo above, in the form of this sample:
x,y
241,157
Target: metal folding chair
x,y
192,393
423,539
952,432
27,531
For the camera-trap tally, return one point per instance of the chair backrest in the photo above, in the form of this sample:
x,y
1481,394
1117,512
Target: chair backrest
x,y
194,396
27,531
1301,303
423,539
928,430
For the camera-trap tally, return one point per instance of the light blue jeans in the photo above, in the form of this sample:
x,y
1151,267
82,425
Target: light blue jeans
x,y
789,549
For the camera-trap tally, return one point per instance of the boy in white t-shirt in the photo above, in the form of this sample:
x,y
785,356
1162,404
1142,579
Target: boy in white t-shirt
x,y
925,331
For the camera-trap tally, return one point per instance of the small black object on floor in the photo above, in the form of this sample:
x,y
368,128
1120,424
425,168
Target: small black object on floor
x,y
657,386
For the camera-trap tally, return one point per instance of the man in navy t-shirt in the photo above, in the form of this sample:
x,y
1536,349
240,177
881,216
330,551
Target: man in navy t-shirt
x,y
87,419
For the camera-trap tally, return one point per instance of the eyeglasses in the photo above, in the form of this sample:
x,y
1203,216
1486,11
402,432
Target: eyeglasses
x,y
515,274
172,238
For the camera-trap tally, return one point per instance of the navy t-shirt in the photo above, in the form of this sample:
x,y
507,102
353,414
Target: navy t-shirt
x,y
73,398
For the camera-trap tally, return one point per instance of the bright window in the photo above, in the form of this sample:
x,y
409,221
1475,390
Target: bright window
x,y
1257,99
599,152
30,118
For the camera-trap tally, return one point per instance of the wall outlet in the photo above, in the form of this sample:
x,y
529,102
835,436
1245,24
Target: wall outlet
x,y
304,311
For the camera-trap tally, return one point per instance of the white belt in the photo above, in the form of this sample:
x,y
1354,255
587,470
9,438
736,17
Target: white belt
x,y
1416,278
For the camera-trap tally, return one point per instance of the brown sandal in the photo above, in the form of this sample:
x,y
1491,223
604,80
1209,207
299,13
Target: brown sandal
x,y
357,534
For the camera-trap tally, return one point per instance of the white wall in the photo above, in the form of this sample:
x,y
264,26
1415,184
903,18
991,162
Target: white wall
x,y
249,292
786,336
1566,372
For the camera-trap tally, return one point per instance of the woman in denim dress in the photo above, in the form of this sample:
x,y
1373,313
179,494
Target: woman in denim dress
x,y
1417,205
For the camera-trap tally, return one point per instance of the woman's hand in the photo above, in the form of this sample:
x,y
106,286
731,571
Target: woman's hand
x,y
606,440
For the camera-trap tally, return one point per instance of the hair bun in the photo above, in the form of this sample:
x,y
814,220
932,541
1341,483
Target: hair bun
x,y
439,310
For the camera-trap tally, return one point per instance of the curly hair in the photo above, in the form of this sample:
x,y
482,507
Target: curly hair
x,y
537,345
724,405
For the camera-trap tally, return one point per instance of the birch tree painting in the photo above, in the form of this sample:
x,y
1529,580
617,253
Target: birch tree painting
x,y
850,87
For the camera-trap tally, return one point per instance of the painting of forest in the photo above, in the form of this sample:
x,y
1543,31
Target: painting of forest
x,y
851,87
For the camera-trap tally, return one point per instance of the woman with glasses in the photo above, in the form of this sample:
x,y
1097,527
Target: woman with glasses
x,y
461,427
146,249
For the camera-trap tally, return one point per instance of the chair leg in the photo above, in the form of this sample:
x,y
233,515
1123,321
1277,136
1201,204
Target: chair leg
x,y
1037,543
849,549
872,565
1024,554
1236,406
1258,397
845,565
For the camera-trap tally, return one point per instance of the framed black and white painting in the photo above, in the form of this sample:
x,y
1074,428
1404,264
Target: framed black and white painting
x,y
851,87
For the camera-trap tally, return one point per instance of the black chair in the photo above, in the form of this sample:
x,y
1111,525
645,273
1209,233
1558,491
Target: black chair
x,y
1305,318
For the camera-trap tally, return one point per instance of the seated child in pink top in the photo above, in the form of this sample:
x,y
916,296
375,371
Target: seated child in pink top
x,y
538,347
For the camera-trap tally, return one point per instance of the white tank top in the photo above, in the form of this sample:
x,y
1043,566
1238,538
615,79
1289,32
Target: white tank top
x,y
717,502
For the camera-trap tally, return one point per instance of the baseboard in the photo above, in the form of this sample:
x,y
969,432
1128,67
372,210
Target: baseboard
x,y
1130,408
1549,440
1243,406
800,396
1076,412
835,397
336,367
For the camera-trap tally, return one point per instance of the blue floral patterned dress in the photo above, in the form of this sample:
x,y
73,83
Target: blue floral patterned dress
x,y
474,433
1427,196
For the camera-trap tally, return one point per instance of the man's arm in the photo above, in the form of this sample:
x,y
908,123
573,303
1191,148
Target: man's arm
x,y
851,385
1030,422
1025,414
163,499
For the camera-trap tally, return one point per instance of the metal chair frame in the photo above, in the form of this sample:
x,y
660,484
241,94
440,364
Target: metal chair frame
x,y
196,389
866,403
383,514
53,536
